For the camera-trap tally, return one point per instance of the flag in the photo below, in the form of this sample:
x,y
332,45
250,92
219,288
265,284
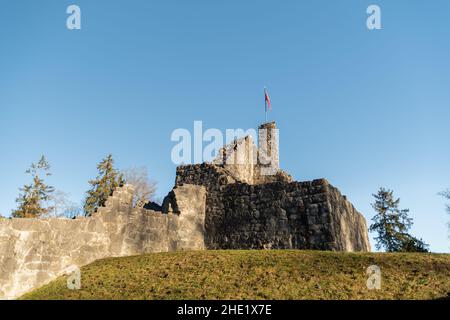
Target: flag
x,y
267,99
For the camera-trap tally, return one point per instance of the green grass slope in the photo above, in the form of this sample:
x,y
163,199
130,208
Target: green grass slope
x,y
282,274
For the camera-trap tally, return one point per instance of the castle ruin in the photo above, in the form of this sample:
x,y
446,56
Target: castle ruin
x,y
241,200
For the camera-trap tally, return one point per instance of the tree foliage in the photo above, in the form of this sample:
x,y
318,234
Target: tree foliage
x,y
34,196
392,225
446,194
108,179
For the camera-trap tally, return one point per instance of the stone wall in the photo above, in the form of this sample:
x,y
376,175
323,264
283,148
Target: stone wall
x,y
275,215
252,204
247,163
35,251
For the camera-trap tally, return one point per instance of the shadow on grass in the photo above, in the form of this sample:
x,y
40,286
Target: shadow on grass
x,y
444,298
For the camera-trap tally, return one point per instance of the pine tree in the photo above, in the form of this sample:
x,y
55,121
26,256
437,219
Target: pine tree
x,y
411,244
446,194
392,225
33,197
103,186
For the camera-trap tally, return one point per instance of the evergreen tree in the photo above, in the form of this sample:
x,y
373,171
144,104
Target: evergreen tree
x,y
411,244
103,186
446,194
392,225
33,197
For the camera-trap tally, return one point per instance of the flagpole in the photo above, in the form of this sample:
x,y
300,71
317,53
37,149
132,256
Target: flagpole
x,y
265,111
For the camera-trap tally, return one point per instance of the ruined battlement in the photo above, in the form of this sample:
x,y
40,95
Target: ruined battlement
x,y
252,204
277,214
36,251
241,200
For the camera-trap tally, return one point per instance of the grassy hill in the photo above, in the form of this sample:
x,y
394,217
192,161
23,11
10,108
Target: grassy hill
x,y
283,274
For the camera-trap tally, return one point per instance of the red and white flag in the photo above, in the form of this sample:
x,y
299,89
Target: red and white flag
x,y
267,99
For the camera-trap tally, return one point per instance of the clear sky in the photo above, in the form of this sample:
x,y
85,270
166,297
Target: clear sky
x,y
361,108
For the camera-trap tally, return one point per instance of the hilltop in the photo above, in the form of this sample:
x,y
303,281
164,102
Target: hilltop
x,y
240,274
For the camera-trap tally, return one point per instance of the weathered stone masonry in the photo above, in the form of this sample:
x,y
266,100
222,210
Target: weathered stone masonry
x,y
231,203
275,215
248,209
35,251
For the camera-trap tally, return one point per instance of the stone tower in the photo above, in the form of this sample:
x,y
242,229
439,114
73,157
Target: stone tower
x,y
268,140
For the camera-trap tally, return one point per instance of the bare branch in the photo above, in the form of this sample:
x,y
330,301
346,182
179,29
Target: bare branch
x,y
145,188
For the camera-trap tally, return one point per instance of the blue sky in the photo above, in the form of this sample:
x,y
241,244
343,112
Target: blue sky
x,y
361,108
